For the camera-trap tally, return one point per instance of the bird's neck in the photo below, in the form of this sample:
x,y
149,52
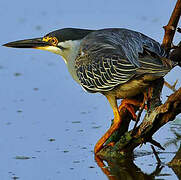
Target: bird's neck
x,y
69,56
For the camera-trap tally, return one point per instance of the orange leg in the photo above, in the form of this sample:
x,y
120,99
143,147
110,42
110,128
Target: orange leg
x,y
117,119
113,128
127,103
148,94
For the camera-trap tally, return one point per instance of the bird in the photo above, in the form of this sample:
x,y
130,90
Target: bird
x,y
118,63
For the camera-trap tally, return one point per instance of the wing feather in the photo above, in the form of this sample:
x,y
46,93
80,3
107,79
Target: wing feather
x,y
111,57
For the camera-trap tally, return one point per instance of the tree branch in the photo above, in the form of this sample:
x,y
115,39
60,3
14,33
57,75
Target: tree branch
x,y
152,122
171,27
157,114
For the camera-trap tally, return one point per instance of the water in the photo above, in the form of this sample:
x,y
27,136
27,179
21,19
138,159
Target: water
x,y
48,124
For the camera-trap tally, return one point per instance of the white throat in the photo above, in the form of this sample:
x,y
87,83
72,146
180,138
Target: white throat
x,y
71,50
69,55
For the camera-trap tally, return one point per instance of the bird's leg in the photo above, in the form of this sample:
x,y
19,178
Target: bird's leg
x,y
127,103
116,124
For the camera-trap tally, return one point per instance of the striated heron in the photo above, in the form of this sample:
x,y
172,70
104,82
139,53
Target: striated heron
x,y
118,63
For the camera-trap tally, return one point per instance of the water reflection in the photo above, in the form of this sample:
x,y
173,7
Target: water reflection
x,y
126,169
175,129
175,163
118,169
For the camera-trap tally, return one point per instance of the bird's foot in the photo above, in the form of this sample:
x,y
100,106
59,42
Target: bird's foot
x,y
128,104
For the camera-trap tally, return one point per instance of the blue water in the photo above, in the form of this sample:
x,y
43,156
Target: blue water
x,y
48,124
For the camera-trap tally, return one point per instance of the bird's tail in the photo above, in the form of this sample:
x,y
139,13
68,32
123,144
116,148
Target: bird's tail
x,y
175,55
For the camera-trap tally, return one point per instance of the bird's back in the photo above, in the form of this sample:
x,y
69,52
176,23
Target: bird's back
x,y
111,57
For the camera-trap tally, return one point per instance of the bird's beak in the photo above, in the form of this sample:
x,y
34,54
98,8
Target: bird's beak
x,y
36,43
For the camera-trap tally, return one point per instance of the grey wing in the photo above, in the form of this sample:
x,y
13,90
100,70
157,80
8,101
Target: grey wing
x,y
106,74
111,57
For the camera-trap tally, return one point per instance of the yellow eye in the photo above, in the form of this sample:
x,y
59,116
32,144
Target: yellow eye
x,y
54,41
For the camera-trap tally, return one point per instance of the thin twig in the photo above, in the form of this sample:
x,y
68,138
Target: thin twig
x,y
156,155
138,118
155,143
172,87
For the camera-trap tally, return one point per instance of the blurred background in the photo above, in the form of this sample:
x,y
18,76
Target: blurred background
x,y
48,124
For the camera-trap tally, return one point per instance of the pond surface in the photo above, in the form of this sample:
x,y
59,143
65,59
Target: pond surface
x,y
48,124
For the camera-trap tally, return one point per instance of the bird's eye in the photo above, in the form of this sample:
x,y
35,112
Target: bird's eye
x,y
54,41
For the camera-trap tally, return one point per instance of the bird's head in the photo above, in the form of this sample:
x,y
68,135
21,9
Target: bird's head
x,y
59,41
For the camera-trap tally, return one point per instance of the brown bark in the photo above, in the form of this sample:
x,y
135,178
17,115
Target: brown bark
x,y
171,27
152,122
